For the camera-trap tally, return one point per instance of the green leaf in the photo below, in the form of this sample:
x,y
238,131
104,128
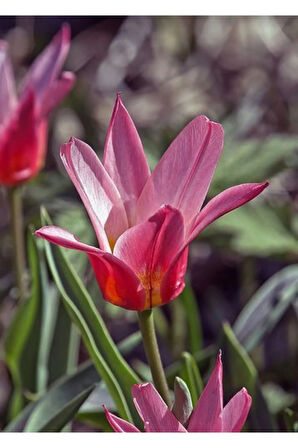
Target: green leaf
x,y
252,160
60,404
255,229
193,319
38,341
182,406
277,398
63,395
201,358
267,306
239,371
190,373
96,420
291,420
99,344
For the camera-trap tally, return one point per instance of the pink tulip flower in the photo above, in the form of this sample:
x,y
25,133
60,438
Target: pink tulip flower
x,y
144,222
23,120
209,414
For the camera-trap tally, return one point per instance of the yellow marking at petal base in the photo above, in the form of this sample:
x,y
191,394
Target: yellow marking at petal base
x,y
151,284
111,291
112,242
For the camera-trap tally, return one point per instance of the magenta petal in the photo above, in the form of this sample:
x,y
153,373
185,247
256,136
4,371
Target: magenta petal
x,y
183,175
118,283
118,424
124,158
207,416
150,247
48,64
235,412
173,281
56,92
153,410
223,203
7,86
97,191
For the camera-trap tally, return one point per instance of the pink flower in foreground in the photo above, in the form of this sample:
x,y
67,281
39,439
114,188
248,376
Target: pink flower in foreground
x,y
209,414
23,120
144,222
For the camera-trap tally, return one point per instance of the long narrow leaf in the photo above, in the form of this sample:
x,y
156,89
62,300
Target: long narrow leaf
x,y
67,280
266,307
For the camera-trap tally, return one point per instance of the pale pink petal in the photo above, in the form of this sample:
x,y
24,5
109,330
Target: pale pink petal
x,y
56,92
8,97
47,65
223,203
97,191
235,412
61,237
149,248
118,424
124,158
153,410
118,283
207,416
183,175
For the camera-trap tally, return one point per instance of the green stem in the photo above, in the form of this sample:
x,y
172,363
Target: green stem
x,y
153,355
17,230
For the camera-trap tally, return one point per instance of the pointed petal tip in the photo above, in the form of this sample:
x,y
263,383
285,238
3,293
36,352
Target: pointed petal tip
x,y
247,396
65,32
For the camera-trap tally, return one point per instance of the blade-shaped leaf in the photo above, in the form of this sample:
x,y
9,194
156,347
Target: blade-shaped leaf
x,y
61,402
190,373
193,320
266,307
239,371
65,394
80,305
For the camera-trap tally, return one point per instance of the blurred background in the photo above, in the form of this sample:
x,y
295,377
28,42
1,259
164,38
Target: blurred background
x,y
239,71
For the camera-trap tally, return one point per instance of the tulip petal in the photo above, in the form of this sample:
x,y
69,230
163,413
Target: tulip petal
x,y
97,191
8,97
223,203
118,424
22,144
235,412
173,281
183,175
47,65
118,283
56,92
207,416
149,248
124,158
153,410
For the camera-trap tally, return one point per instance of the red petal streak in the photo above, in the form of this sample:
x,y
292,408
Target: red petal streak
x,y
118,283
149,249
